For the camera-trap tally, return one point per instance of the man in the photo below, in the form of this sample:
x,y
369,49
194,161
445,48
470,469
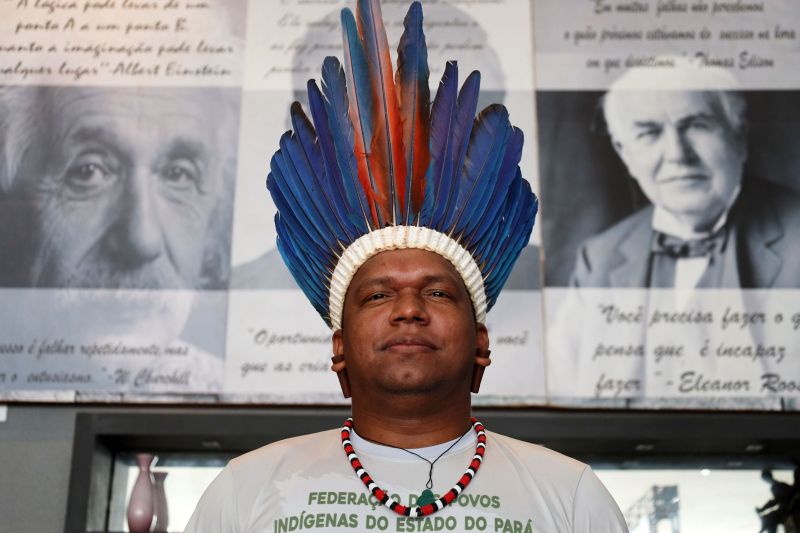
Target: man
x,y
116,188
775,511
404,277
682,135
410,344
115,207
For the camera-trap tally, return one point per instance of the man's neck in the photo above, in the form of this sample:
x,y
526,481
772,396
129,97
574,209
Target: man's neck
x,y
406,425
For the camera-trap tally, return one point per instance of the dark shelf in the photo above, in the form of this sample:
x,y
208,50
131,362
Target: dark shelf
x,y
635,439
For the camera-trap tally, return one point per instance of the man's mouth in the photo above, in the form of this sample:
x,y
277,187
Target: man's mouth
x,y
689,176
408,343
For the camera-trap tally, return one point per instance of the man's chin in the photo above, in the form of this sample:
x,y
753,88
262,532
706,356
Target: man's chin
x,y
411,384
701,215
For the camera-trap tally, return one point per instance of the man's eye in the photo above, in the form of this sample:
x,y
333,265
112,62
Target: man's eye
x,y
702,124
376,296
648,134
180,175
86,177
439,294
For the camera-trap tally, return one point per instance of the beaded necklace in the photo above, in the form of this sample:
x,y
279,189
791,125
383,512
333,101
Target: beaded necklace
x,y
429,508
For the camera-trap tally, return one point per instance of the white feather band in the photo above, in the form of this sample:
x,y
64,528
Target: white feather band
x,y
396,238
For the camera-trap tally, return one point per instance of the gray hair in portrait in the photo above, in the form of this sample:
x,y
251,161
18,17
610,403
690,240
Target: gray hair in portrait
x,y
104,187
685,76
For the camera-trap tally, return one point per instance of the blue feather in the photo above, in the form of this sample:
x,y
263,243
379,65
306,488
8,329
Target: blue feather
x,y
311,169
439,178
302,274
505,225
336,106
294,227
464,122
307,136
292,195
516,242
329,177
412,80
358,78
517,237
479,173
509,168
333,176
305,189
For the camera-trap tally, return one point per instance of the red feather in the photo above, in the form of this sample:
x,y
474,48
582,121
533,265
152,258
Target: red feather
x,y
386,158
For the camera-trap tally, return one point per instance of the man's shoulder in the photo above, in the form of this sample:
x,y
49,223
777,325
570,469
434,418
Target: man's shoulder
x,y
612,248
296,448
773,197
538,458
619,231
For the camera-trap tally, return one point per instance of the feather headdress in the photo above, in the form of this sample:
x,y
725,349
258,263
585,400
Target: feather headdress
x,y
381,169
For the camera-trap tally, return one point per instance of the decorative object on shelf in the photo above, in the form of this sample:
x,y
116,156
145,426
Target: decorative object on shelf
x,y
160,502
140,506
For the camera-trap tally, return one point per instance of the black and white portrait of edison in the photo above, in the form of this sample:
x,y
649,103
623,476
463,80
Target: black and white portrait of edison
x,y
116,188
706,219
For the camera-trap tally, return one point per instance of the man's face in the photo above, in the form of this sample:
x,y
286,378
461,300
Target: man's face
x,y
408,327
680,148
128,183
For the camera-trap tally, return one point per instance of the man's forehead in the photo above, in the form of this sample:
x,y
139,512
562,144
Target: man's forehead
x,y
392,266
74,103
135,117
634,108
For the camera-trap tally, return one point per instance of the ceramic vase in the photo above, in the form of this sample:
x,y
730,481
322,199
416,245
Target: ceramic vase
x,y
140,506
160,503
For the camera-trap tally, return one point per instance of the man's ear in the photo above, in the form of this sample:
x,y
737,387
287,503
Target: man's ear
x,y
619,148
482,354
339,364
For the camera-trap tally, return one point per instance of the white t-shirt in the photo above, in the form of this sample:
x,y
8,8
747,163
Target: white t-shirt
x,y
307,484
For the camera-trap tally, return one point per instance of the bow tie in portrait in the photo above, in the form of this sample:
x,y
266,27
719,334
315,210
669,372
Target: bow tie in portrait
x,y
681,248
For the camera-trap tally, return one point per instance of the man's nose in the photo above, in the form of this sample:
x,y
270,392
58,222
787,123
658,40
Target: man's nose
x,y
677,146
409,306
135,238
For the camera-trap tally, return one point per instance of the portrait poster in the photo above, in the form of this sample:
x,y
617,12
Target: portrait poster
x,y
120,123
137,242
278,348
671,187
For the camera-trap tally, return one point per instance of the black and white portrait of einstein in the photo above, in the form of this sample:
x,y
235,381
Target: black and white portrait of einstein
x,y
115,221
116,188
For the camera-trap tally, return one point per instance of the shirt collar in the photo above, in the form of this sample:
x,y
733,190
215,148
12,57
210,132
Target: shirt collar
x,y
364,446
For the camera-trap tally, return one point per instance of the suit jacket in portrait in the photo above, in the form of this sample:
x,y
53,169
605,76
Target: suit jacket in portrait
x,y
765,226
